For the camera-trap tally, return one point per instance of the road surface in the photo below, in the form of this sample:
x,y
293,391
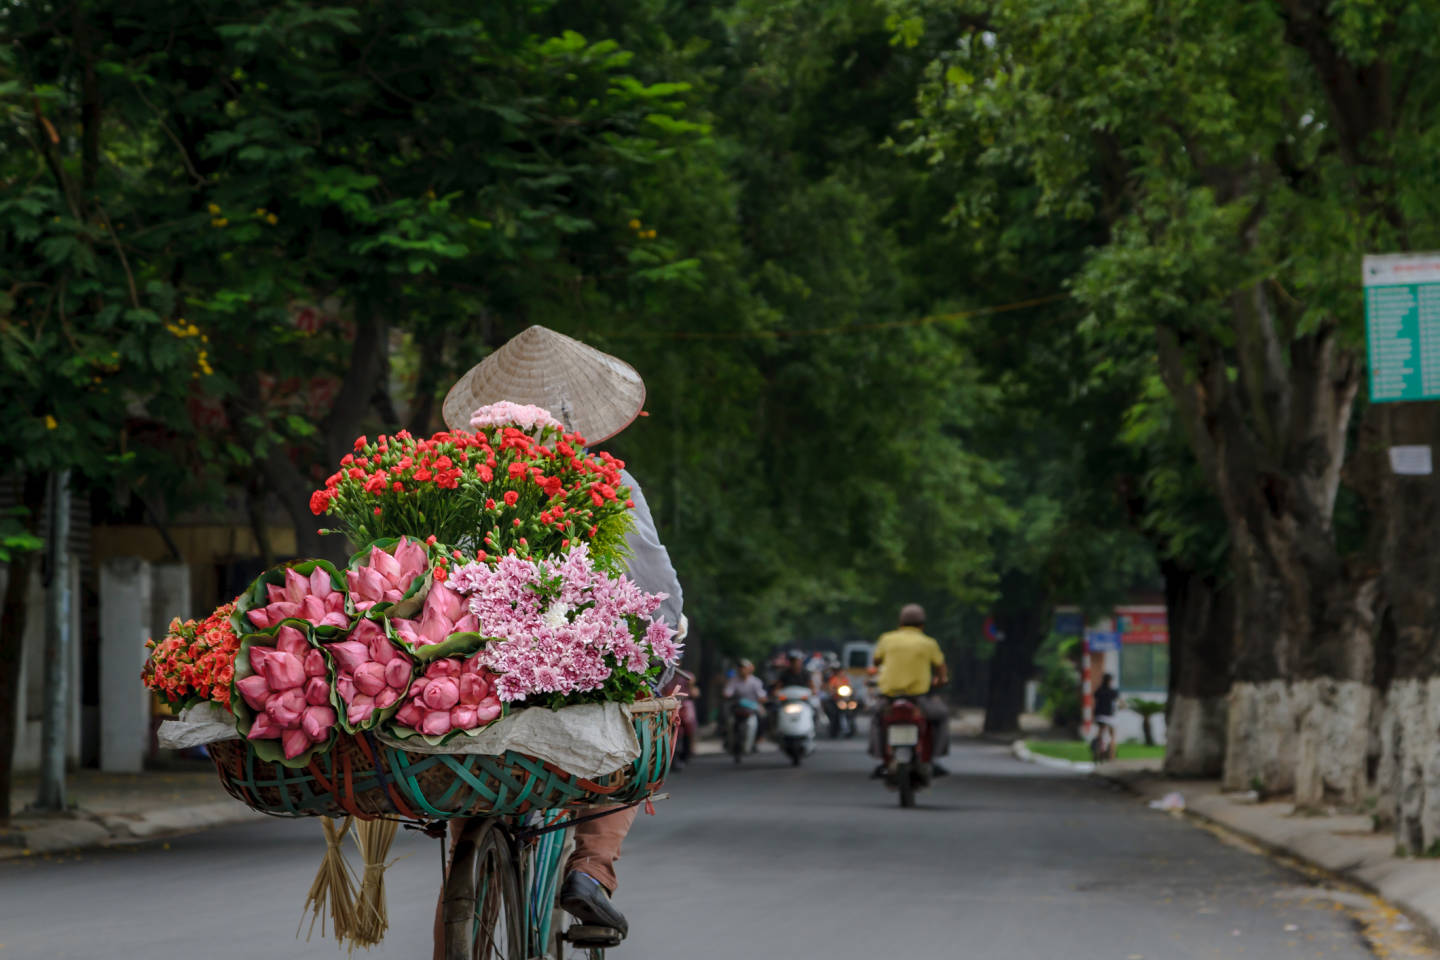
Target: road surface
x,y
1000,860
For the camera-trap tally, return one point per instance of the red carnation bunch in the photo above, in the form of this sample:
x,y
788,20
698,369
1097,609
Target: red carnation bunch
x,y
194,662
498,491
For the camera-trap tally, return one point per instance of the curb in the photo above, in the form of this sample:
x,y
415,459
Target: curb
x,y
1024,755
84,830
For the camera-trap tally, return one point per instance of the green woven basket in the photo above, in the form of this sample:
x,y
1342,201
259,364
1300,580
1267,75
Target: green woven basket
x,y
362,778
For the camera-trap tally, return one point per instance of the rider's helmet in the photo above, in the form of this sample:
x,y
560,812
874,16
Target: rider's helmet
x,y
912,615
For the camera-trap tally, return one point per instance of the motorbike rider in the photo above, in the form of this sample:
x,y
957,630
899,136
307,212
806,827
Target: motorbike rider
x,y
794,674
911,664
746,687
835,681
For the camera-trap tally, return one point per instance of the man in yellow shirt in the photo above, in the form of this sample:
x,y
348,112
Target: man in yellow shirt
x,y
911,664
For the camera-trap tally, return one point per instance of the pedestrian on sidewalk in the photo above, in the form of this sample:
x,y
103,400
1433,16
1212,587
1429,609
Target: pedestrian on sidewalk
x,y
1107,701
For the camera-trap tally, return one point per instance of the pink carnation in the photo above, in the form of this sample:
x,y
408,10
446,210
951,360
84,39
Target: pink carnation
x,y
506,414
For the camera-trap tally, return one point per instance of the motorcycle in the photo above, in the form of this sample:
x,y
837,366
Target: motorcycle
x,y
795,723
841,709
905,736
744,722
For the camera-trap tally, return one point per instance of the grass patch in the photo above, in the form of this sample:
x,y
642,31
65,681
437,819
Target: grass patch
x,y
1079,750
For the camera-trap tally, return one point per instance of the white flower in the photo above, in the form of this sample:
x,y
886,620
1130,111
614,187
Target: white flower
x,y
557,616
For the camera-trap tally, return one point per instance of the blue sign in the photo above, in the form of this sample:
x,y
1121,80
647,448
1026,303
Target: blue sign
x,y
1102,640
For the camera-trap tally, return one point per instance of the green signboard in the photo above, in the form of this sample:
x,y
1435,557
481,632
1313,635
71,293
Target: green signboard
x,y
1402,325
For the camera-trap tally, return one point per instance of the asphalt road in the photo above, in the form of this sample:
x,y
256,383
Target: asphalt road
x,y
1000,860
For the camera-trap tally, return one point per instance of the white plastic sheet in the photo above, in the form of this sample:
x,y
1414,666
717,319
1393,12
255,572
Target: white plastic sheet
x,y
589,740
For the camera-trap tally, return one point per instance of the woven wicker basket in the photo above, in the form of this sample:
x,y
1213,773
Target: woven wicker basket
x,y
362,778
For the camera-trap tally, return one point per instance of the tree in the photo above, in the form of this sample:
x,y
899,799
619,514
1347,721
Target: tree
x,y
1232,218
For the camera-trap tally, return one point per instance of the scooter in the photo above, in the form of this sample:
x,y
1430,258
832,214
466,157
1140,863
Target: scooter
x,y
905,735
795,722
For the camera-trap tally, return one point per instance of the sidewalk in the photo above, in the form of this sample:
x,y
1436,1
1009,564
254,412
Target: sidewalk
x,y
1345,845
114,808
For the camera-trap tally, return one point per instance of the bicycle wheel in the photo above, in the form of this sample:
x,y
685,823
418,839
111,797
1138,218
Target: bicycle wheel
x,y
484,916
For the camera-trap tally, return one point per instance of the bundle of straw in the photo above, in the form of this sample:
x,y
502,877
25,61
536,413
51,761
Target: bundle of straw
x,y
373,837
334,886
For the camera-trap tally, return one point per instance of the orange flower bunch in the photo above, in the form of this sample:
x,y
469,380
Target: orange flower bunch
x,y
194,662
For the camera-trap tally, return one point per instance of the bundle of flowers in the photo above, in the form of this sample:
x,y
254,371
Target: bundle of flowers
x,y
283,680
560,630
453,695
371,675
533,490
443,614
390,574
195,661
310,590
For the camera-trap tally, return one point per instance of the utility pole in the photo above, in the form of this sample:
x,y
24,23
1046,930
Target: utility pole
x,y
57,646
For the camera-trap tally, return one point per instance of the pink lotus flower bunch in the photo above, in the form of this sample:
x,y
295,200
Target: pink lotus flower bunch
x,y
548,641
289,693
444,613
387,577
453,694
371,674
506,414
313,598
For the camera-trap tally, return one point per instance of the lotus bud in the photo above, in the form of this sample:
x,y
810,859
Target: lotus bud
x,y
317,691
285,707
283,671
254,689
434,626
312,608
295,743
448,667
382,650
314,663
258,656
397,672
487,711
320,583
316,721
359,709
436,722
370,678
335,619
410,715
419,685
259,617
466,624
274,592
264,728
392,595
335,602
292,641
346,686
386,698
446,602
283,610
442,694
472,689
384,564
349,654
297,585
464,717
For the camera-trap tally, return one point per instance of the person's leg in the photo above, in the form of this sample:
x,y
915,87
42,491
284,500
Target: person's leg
x,y
590,877
597,845
937,712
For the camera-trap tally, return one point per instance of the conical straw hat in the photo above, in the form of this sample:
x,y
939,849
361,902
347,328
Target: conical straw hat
x,y
592,393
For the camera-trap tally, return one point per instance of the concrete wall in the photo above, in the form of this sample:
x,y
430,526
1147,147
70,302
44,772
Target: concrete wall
x,y
30,702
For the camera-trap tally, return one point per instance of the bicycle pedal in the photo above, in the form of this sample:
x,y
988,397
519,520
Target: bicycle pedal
x,y
587,935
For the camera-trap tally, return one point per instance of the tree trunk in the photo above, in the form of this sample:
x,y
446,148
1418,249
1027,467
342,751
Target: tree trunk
x,y
1201,612
1268,418
1023,618
13,614
1408,775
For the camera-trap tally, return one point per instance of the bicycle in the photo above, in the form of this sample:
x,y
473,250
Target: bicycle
x,y
502,884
